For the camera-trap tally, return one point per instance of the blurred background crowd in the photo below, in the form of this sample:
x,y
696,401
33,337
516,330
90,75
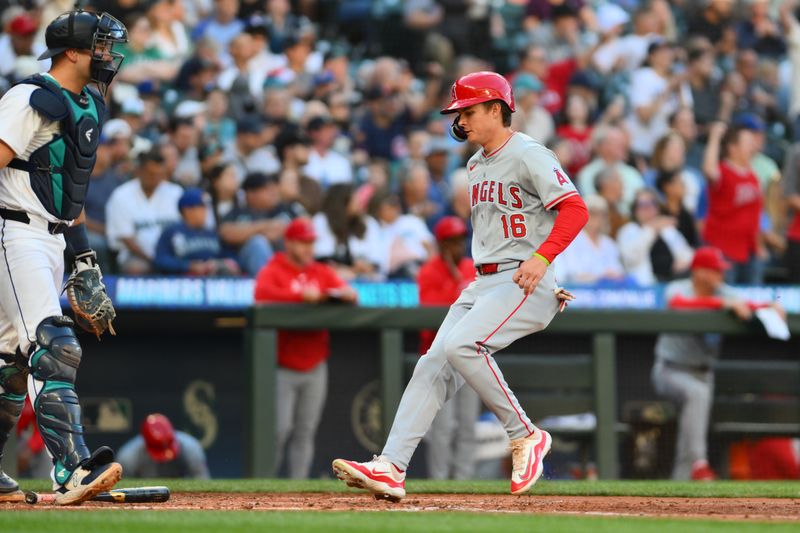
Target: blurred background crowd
x,y
677,120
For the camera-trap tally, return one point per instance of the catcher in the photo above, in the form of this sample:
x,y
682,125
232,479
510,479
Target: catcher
x,y
49,129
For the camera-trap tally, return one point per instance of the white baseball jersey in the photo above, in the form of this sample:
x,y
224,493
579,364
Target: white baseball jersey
x,y
512,192
24,130
129,213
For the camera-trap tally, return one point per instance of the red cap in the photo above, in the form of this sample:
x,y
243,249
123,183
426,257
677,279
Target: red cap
x,y
159,438
479,87
300,229
449,227
709,257
23,24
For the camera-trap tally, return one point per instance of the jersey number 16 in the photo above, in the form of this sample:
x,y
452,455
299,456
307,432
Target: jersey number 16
x,y
514,225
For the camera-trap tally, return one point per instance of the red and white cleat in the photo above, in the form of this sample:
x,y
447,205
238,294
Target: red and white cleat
x,y
378,476
702,472
527,456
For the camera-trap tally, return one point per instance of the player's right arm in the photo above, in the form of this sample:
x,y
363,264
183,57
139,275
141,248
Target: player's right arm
x,y
18,122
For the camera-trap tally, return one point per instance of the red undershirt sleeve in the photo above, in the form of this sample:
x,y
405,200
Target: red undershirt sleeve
x,y
572,216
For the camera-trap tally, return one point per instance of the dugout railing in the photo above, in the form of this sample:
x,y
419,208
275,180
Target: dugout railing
x,y
603,327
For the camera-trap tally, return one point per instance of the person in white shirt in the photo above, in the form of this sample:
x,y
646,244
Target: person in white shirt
x,y
650,242
655,94
408,239
138,211
593,255
324,164
347,238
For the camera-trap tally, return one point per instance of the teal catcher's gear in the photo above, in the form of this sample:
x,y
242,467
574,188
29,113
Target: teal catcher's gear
x,y
58,413
59,170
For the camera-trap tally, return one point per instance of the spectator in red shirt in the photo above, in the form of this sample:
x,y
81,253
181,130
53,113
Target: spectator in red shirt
x,y
302,380
734,202
451,438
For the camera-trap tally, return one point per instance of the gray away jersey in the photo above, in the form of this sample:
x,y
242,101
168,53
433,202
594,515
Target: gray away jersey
x,y
512,192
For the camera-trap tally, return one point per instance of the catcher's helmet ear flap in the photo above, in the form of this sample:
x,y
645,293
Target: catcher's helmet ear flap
x,y
457,132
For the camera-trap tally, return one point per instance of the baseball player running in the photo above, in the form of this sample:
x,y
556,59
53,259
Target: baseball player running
x,y
525,211
49,128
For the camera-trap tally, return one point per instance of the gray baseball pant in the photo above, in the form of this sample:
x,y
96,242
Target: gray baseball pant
x,y
693,391
451,439
491,313
301,399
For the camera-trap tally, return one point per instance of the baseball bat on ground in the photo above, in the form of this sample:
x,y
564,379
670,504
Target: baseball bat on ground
x,y
132,495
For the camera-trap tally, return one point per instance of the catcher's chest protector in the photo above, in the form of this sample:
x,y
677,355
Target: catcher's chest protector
x,y
59,170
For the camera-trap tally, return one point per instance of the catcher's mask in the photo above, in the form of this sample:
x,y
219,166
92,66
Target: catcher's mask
x,y
96,32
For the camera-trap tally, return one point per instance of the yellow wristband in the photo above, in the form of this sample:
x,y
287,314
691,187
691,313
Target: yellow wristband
x,y
543,258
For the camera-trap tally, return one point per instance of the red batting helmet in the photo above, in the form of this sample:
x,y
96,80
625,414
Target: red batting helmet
x,y
479,87
449,227
159,438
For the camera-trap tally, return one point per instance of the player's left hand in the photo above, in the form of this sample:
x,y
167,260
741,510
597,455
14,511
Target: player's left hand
x,y
529,274
87,296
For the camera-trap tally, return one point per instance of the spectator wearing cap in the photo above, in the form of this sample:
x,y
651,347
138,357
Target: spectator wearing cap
x,y
683,369
735,202
264,60
408,239
221,27
655,94
302,376
249,153
593,256
608,58
189,247
109,172
436,152
610,146
530,117
159,451
773,216
17,41
347,238
137,212
195,77
256,229
302,62
326,165
451,438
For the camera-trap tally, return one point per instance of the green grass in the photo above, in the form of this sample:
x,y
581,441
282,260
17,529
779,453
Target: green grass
x,y
371,522
718,489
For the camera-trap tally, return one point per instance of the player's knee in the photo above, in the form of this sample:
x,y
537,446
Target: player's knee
x,y
456,348
58,352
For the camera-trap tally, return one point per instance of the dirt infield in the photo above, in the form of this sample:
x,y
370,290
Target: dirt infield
x,y
761,509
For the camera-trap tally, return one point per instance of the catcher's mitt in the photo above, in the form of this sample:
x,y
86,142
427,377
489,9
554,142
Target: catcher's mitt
x,y
87,296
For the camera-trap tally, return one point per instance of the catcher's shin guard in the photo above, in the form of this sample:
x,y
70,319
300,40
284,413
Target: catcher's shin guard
x,y
58,413
13,384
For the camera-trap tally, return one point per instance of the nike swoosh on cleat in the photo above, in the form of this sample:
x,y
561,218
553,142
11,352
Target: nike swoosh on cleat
x,y
380,478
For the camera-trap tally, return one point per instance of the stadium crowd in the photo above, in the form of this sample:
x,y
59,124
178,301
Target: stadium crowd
x,y
229,118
